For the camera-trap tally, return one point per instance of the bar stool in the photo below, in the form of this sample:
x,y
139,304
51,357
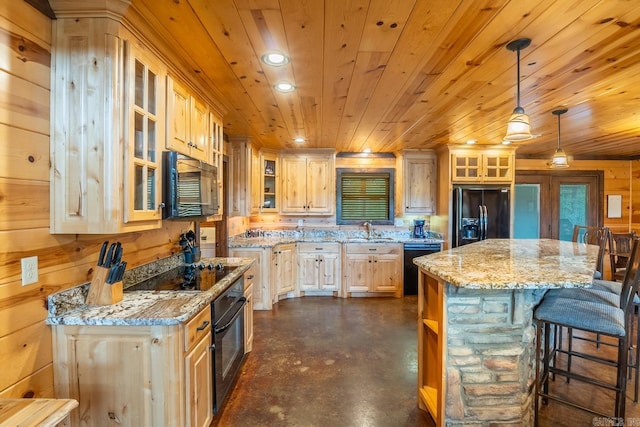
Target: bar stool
x,y
593,236
588,316
619,250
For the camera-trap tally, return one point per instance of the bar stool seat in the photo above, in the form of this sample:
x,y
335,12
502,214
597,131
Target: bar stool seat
x,y
597,315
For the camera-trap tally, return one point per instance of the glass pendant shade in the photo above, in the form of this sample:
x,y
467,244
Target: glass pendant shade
x,y
559,159
518,127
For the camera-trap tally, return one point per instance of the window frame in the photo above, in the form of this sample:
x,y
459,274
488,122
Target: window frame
x,y
341,171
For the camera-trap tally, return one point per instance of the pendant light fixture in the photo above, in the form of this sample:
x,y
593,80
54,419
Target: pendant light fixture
x,y
559,159
518,128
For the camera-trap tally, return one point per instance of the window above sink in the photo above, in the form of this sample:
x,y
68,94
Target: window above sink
x,y
365,194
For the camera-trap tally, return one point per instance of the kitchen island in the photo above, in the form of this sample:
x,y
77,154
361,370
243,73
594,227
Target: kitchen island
x,y
476,338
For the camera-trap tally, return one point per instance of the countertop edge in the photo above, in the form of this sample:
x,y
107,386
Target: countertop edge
x,y
126,312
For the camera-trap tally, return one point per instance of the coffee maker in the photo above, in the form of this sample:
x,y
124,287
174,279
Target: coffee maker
x,y
418,229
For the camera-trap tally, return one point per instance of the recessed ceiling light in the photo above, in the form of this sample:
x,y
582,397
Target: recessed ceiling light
x,y
366,150
299,139
505,142
471,141
284,87
275,58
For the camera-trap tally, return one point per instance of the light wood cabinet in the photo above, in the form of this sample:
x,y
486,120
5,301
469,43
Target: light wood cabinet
x,y
419,182
216,158
198,370
107,115
284,270
431,346
262,295
249,277
255,180
187,122
136,375
318,268
373,267
269,185
239,177
308,184
482,165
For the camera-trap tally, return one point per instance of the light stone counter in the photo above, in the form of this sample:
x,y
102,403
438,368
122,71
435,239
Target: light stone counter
x,y
514,264
140,308
476,336
273,238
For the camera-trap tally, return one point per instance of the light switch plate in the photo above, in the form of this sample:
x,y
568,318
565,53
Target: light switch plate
x,y
29,270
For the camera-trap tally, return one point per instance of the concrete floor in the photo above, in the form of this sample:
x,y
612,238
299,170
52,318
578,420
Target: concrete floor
x,y
322,361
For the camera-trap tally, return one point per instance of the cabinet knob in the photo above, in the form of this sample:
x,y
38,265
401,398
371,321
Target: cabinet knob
x,y
161,205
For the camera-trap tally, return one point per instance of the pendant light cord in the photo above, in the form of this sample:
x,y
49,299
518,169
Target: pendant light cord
x,y
558,131
518,76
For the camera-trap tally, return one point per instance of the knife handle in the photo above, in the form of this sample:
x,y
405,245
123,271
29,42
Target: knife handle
x,y
117,255
108,261
103,250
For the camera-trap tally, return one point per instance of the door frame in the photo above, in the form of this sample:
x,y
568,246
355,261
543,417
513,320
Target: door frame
x,y
549,182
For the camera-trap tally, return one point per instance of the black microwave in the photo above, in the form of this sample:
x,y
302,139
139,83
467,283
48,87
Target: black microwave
x,y
190,187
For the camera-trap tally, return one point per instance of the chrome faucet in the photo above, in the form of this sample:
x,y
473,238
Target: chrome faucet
x,y
369,228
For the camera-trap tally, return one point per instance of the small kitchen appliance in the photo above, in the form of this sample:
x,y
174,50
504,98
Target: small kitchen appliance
x,y
418,229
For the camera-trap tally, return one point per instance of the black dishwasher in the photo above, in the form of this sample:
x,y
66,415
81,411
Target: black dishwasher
x,y
413,250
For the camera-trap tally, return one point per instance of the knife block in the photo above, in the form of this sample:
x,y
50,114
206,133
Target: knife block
x,y
101,292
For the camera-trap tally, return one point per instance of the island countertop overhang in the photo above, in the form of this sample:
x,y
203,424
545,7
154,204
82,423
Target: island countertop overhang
x,y
514,264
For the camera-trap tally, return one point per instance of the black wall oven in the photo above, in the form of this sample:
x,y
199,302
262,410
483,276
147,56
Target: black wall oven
x,y
227,312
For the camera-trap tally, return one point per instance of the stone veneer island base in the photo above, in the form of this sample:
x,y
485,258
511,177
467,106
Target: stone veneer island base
x,y
476,338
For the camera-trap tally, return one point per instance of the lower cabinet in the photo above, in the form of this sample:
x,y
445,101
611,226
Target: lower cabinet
x,y
136,375
318,268
284,271
249,277
261,296
373,268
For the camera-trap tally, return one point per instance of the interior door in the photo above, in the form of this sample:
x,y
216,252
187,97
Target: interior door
x,y
565,198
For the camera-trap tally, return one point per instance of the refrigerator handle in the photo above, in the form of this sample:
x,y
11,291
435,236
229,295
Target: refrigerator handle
x,y
480,223
486,221
458,219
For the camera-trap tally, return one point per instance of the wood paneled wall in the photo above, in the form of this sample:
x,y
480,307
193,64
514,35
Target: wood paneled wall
x,y
64,260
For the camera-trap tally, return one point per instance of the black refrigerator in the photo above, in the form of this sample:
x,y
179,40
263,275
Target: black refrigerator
x,y
480,212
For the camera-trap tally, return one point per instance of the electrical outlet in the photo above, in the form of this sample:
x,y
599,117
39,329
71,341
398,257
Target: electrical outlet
x,y
29,270
300,222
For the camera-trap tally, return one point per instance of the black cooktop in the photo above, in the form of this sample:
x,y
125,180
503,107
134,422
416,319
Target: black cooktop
x,y
195,277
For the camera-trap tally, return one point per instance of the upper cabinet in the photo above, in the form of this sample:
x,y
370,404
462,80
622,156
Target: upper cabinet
x,y
308,184
188,122
107,129
144,133
479,164
216,157
239,176
109,120
419,182
270,168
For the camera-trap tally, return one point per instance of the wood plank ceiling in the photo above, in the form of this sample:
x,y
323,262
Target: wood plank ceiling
x,y
394,74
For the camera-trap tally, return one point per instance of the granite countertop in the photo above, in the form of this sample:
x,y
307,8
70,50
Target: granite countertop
x,y
514,264
270,241
140,308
